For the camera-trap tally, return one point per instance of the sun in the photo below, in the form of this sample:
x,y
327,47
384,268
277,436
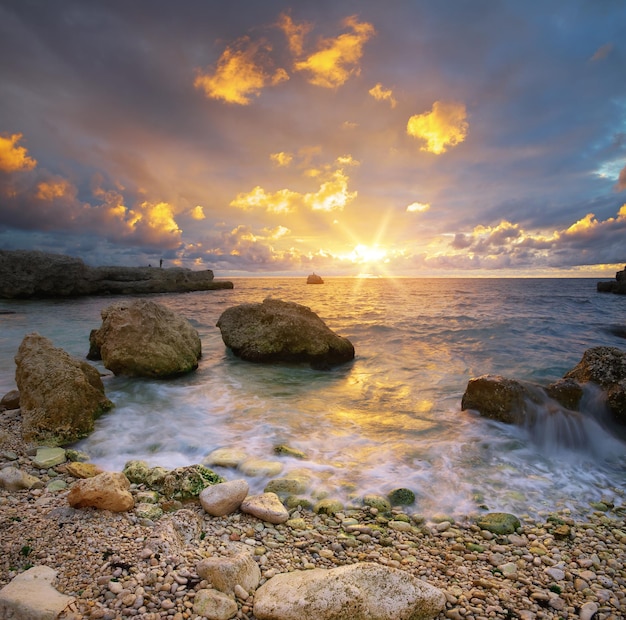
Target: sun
x,y
364,254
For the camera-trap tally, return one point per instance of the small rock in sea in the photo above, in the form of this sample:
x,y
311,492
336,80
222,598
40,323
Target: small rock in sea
x,y
328,506
289,485
498,523
266,506
260,467
225,457
284,450
401,497
223,499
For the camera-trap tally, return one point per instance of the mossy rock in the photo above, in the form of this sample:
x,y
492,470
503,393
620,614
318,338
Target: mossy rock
x,y
284,450
498,523
328,507
377,501
293,501
286,486
401,497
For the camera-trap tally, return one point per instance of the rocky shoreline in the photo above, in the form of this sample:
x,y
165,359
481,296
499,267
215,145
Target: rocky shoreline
x,y
28,274
123,564
617,286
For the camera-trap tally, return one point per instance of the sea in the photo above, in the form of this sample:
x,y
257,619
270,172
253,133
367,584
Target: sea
x,y
389,419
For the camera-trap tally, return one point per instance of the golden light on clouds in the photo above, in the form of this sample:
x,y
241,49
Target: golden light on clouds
x,y
49,190
444,126
239,74
281,159
332,195
12,157
418,207
383,94
295,33
197,213
337,59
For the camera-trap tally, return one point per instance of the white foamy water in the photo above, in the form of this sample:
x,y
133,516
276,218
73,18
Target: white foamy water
x,y
392,418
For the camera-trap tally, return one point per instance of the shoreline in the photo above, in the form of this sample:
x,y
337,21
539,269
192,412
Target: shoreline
x,y
122,565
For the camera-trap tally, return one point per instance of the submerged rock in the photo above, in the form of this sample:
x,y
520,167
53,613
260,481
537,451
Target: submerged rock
x,y
145,339
25,274
281,331
362,591
60,396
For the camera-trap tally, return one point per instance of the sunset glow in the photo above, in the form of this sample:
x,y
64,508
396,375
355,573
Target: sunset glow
x,y
279,139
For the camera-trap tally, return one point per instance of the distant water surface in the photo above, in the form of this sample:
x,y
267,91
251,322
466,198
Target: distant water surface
x,y
392,418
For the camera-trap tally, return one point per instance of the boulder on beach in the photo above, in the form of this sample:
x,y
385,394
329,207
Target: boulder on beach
x,y
144,339
606,367
60,396
361,591
281,331
29,274
106,491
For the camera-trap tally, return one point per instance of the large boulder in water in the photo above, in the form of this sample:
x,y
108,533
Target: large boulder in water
x,y
60,396
606,367
276,330
145,339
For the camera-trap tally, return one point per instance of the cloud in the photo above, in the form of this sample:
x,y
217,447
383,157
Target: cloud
x,y
295,33
240,73
444,126
282,159
337,59
621,181
12,157
54,188
332,195
602,52
197,213
418,207
383,94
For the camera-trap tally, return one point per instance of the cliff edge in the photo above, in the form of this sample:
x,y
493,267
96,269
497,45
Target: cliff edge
x,y
617,286
28,274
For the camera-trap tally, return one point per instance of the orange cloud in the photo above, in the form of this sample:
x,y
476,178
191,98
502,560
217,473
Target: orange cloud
x,y
444,126
383,94
295,33
12,157
337,59
281,159
197,213
56,188
332,195
239,74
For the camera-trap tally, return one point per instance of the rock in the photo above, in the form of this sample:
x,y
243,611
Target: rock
x,y
588,610
175,533
145,339
224,498
225,457
617,286
401,497
567,392
266,506
498,523
48,457
314,279
60,396
11,400
181,483
31,596
214,605
224,572
362,591
280,331
377,501
106,491
148,510
289,485
14,479
260,467
328,506
25,274
284,450
606,367
82,470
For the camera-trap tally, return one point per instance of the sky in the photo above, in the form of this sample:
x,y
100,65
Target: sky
x,y
401,138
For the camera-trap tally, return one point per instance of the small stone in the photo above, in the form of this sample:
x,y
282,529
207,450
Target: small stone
x,y
49,457
377,501
82,470
400,526
498,523
214,605
284,450
145,510
266,506
56,485
588,610
556,573
14,479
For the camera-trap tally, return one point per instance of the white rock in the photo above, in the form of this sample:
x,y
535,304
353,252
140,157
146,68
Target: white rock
x,y
214,605
227,571
556,573
362,591
222,499
266,506
588,610
30,596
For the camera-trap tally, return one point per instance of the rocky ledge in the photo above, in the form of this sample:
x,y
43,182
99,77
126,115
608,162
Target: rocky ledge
x,y
617,286
25,274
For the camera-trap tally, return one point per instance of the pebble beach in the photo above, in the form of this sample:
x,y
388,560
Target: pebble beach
x,y
119,565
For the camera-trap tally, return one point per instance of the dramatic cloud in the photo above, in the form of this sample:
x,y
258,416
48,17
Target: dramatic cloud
x,y
444,126
383,94
240,73
337,59
13,157
295,33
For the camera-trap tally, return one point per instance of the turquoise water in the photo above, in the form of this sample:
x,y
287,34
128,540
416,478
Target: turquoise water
x,y
392,417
